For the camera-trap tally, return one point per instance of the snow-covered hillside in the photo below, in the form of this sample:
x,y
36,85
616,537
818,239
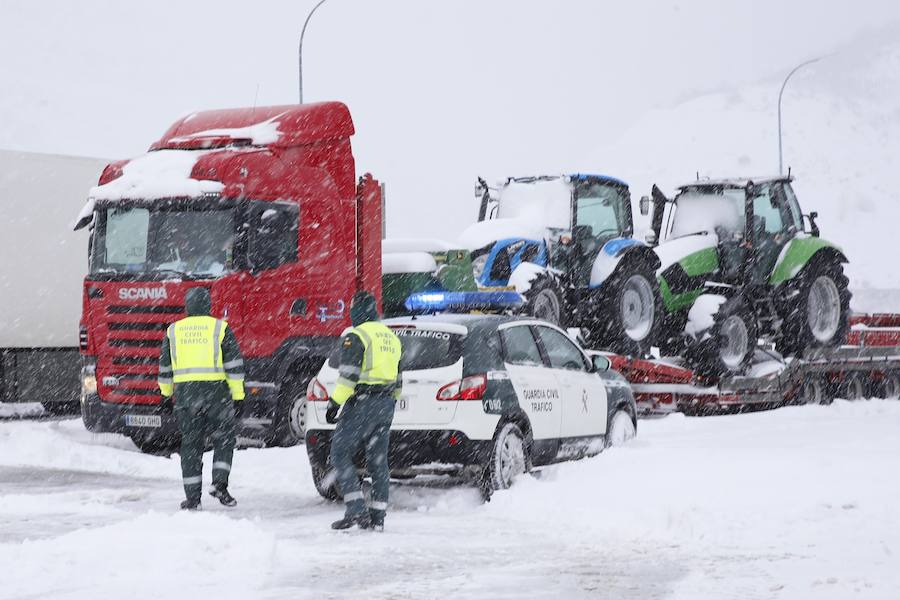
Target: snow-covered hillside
x,y
841,123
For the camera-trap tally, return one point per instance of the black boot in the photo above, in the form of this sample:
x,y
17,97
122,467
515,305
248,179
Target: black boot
x,y
221,493
376,520
362,520
191,505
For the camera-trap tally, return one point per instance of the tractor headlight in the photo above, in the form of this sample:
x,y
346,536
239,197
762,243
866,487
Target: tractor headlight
x,y
478,265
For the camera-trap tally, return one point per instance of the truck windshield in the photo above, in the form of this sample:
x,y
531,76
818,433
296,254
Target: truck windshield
x,y
173,239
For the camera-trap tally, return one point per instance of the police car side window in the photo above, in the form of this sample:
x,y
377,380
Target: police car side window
x,y
519,347
560,350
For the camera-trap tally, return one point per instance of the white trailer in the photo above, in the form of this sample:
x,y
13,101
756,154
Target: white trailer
x,y
42,268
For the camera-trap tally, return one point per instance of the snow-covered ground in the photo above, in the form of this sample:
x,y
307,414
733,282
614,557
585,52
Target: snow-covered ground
x,y
794,503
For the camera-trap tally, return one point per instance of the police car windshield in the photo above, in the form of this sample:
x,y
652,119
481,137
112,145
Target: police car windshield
x,y
422,349
173,239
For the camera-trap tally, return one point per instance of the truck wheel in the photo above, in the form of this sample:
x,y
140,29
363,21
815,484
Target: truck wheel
x,y
324,480
508,461
620,428
628,320
289,420
818,315
89,418
729,347
544,300
889,389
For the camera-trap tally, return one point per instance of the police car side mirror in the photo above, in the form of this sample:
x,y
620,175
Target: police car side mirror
x,y
600,363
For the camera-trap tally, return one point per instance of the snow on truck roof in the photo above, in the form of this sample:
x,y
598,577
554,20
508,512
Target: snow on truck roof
x,y
291,125
734,182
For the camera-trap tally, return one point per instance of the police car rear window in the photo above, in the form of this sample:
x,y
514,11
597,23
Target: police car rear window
x,y
422,349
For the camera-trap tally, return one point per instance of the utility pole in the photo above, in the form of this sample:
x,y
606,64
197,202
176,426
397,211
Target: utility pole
x,y
780,94
300,52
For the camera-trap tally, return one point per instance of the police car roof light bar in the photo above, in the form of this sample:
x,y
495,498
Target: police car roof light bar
x,y
429,302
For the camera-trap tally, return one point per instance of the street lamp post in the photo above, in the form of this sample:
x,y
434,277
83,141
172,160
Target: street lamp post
x,y
780,94
300,51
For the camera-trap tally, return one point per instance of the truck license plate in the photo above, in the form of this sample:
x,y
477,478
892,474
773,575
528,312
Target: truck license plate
x,y
143,420
402,404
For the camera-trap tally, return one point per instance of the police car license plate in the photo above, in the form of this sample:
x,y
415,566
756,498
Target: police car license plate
x,y
401,405
143,421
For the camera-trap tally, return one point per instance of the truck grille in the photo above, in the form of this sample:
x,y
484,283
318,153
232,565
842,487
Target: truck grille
x,y
133,339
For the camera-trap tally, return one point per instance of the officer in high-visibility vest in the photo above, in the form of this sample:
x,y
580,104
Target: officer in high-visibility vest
x,y
201,365
367,388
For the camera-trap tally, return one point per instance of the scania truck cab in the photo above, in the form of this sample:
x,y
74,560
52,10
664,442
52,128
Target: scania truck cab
x,y
262,207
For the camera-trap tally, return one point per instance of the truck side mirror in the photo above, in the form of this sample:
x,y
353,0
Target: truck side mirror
x,y
600,363
645,205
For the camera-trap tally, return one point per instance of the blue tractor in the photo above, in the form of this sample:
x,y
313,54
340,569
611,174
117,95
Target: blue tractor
x,y
565,243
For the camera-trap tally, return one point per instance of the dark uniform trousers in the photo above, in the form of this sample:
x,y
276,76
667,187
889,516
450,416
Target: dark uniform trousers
x,y
204,410
365,425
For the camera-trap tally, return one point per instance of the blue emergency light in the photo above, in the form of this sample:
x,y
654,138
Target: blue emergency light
x,y
427,302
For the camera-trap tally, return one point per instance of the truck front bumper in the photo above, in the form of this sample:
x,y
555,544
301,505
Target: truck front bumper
x,y
128,419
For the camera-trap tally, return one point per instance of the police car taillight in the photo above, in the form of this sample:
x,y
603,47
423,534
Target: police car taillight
x,y
316,392
467,388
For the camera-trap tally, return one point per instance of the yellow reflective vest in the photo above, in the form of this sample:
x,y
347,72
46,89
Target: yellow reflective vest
x,y
195,348
380,362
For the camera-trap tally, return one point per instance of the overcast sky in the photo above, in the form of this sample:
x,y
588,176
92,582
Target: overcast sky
x,y
439,91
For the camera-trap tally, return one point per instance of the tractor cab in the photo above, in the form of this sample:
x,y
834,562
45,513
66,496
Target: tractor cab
x,y
559,221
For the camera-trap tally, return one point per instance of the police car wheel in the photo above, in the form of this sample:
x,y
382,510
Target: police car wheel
x,y
621,429
285,430
508,459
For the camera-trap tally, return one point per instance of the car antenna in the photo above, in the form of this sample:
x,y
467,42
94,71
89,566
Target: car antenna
x,y
698,175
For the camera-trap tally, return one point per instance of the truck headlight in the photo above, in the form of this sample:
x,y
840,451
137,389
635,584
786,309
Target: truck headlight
x,y
89,380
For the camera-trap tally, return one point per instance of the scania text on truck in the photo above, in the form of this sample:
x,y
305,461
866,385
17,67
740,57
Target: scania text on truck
x,y
262,207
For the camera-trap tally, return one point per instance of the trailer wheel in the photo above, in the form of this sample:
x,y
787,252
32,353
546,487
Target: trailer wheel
x,y
813,391
889,388
853,387
818,315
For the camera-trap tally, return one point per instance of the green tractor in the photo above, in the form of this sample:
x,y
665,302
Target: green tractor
x,y
738,264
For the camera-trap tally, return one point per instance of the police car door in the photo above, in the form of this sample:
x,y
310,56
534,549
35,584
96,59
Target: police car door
x,y
535,385
583,393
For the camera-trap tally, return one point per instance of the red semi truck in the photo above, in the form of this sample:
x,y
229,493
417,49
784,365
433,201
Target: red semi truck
x,y
263,207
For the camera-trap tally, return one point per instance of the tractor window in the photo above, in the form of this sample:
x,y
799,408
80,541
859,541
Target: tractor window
x,y
793,206
599,207
766,206
708,210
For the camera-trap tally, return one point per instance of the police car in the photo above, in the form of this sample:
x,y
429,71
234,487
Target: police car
x,y
486,395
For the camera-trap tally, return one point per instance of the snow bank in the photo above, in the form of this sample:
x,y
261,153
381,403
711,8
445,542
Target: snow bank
x,y
159,174
407,262
20,410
